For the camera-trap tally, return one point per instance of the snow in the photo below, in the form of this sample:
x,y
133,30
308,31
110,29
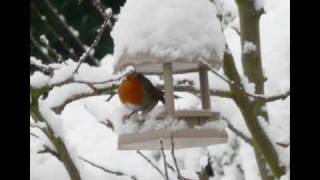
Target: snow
x,y
44,40
259,4
249,87
170,29
53,120
85,136
108,12
65,92
61,17
39,80
74,31
143,123
248,47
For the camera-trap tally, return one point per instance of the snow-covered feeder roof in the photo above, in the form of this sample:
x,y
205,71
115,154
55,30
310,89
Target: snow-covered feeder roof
x,y
149,33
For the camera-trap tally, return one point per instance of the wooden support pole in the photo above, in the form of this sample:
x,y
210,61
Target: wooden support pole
x,y
168,88
204,87
205,92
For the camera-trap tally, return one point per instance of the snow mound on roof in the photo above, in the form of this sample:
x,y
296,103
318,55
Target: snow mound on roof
x,y
171,29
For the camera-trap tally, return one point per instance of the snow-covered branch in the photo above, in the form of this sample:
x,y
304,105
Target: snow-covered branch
x,y
103,11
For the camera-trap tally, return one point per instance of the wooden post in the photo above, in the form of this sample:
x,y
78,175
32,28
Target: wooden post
x,y
204,87
168,88
204,90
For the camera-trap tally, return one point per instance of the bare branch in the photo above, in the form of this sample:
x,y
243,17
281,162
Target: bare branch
x,y
174,158
257,97
164,160
284,145
238,132
235,30
277,97
111,96
34,135
117,173
108,124
48,150
193,90
151,163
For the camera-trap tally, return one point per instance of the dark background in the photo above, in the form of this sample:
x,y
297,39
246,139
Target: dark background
x,y
83,17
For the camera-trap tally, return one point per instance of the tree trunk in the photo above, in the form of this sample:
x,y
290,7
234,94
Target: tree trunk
x,y
252,67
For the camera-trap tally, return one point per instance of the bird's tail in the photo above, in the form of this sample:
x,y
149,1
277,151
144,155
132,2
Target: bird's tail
x,y
162,99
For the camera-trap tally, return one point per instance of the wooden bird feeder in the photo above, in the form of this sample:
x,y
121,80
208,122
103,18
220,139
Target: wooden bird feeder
x,y
183,138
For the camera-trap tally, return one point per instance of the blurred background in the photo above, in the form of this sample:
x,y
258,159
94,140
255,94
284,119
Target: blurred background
x,y
70,26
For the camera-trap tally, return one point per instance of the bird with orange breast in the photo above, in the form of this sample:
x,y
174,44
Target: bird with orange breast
x,y
137,93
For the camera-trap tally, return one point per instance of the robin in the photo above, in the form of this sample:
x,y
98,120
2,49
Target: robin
x,y
137,93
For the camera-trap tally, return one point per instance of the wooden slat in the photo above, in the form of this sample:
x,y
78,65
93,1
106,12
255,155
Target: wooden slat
x,y
183,138
193,113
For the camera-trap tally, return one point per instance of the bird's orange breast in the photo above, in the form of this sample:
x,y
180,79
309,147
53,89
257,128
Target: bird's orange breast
x,y
131,91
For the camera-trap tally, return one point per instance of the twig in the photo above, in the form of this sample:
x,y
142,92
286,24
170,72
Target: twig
x,y
34,135
193,90
174,158
235,30
48,150
107,122
238,132
164,160
111,96
117,173
277,97
284,145
94,44
100,7
171,167
231,83
151,163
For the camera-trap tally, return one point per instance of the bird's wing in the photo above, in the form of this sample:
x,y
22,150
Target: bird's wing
x,y
153,90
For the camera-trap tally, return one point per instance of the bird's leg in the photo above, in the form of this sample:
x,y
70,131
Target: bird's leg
x,y
127,116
